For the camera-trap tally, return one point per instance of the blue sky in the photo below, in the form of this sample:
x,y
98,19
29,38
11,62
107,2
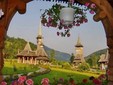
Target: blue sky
x,y
25,26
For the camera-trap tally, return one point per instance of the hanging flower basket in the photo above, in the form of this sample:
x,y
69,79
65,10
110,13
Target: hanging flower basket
x,y
65,17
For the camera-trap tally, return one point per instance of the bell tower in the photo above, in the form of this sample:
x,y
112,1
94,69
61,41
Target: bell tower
x,y
79,58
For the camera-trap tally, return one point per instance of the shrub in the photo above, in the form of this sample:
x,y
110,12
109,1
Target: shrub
x,y
66,65
83,67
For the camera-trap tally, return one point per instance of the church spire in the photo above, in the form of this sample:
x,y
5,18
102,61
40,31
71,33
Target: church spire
x,y
78,43
40,29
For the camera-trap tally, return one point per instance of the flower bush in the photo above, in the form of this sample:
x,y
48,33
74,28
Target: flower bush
x,y
23,80
51,18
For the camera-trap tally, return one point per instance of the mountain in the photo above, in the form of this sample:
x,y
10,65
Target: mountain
x,y
93,58
12,45
97,53
58,55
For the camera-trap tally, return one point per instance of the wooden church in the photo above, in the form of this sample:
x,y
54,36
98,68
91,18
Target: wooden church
x,y
39,56
79,58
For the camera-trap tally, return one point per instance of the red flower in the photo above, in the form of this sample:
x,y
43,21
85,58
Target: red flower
x,y
45,81
97,82
29,82
108,72
14,82
3,83
87,4
71,81
21,79
84,80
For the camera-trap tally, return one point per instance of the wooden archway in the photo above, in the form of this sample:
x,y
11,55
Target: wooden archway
x,y
104,13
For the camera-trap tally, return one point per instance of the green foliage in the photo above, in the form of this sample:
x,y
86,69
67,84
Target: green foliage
x,y
97,53
13,45
72,58
66,65
93,61
52,55
83,67
17,68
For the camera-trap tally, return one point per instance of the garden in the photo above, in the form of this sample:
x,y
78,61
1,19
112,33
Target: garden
x,y
49,76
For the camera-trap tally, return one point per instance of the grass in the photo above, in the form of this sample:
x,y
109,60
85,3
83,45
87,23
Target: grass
x,y
65,74
55,73
17,68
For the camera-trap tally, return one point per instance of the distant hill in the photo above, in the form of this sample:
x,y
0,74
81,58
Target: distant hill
x,y
97,53
58,55
12,45
93,58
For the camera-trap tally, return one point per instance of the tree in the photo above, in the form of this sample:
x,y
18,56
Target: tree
x,y
72,58
83,67
52,55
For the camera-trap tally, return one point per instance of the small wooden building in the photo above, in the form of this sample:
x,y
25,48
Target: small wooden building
x,y
104,61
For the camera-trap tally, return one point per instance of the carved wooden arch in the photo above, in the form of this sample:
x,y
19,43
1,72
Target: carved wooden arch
x,y
105,12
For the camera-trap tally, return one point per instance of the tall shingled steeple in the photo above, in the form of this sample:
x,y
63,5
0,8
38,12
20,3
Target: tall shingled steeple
x,y
79,58
78,43
40,29
40,52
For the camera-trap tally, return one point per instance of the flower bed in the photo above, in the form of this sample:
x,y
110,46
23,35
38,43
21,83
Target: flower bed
x,y
24,80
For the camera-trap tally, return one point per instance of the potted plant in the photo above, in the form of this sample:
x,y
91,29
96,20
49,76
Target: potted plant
x,y
66,17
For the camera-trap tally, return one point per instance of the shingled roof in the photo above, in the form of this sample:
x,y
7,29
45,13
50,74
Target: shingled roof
x,y
78,43
27,51
104,57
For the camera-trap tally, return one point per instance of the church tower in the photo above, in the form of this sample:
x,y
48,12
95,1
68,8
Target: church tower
x,y
40,52
79,58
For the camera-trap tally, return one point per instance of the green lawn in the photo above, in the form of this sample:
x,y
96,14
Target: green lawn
x,y
65,74
56,73
16,68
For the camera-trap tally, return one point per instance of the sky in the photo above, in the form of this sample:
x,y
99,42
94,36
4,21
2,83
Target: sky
x,y
25,26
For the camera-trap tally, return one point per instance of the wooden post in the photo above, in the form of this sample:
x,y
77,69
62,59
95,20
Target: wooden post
x,y
1,64
9,7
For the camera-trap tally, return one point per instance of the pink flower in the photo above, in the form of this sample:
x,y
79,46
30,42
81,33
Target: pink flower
x,y
21,79
84,80
87,4
45,81
108,72
85,20
29,82
61,80
77,24
97,82
49,19
92,12
3,83
93,6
